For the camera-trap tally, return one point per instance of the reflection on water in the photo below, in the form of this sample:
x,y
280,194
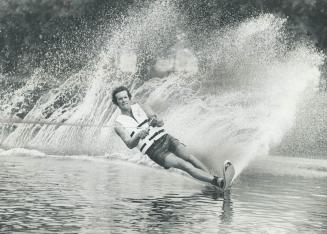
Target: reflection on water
x,y
47,194
175,212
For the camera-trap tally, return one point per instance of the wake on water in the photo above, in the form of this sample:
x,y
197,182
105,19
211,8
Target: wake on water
x,y
231,94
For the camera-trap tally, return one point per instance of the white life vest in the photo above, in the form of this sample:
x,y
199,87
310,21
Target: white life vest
x,y
136,124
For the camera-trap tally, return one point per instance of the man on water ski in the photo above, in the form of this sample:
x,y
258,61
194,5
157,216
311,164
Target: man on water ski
x,y
144,130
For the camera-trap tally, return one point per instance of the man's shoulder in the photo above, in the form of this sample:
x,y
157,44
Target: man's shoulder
x,y
117,124
118,127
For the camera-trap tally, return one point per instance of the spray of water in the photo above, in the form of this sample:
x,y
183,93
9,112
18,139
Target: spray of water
x,y
230,95
249,93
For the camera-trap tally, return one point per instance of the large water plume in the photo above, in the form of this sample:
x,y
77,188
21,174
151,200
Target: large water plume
x,y
230,95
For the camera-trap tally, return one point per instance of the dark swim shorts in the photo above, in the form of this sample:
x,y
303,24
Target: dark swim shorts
x,y
159,149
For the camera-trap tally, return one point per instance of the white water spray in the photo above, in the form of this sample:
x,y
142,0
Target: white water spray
x,y
233,97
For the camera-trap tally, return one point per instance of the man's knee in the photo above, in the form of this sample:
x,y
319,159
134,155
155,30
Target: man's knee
x,y
186,166
173,161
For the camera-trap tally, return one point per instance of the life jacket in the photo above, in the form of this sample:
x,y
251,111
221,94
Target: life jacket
x,y
139,122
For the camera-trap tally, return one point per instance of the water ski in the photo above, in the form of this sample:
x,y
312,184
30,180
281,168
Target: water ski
x,y
228,175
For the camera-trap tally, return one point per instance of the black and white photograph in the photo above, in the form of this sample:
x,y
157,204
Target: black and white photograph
x,y
163,116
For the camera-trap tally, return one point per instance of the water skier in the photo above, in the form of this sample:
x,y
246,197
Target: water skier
x,y
140,128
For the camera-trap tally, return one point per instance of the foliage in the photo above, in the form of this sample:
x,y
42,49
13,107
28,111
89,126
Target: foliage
x,y
62,35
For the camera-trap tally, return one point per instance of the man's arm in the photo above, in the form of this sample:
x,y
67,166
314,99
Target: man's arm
x,y
130,142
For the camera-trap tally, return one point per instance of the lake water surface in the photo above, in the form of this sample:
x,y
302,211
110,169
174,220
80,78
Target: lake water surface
x,y
86,195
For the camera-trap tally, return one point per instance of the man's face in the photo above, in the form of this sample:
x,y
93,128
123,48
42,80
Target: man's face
x,y
123,101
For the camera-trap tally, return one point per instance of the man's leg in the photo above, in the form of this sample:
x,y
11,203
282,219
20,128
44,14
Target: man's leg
x,y
182,152
172,160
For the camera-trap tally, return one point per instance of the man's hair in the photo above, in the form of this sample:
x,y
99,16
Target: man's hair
x,y
118,90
